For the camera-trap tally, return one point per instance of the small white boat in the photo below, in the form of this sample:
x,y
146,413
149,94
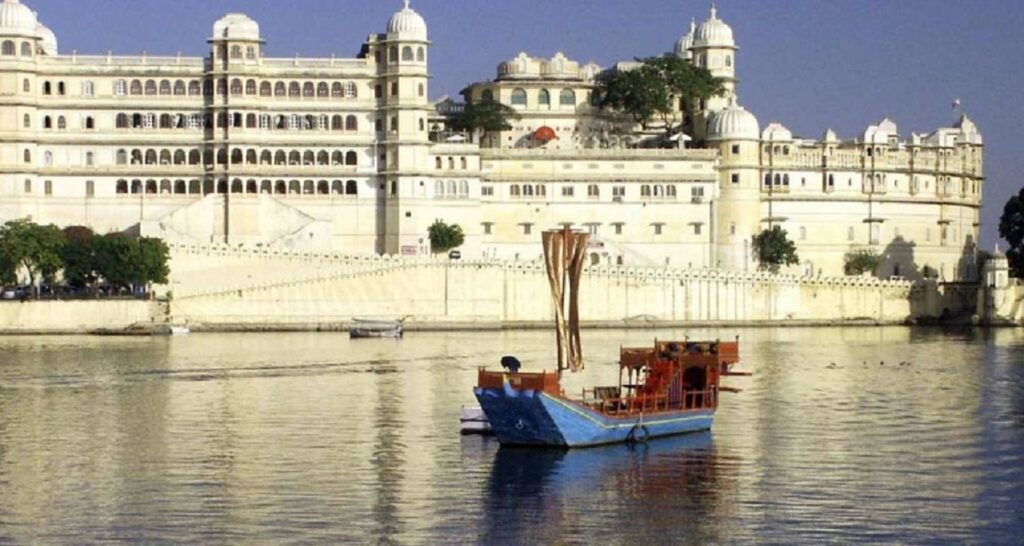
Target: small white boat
x,y
179,330
474,421
362,328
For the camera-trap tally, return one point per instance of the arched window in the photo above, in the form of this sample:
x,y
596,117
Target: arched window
x,y
179,157
337,123
236,156
518,97
323,90
250,121
165,87
26,49
280,158
194,88
294,89
487,95
463,189
135,88
266,89
193,157
351,158
9,48
337,158
728,60
47,158
323,158
421,55
26,86
47,88
462,162
527,190
60,88
394,89
236,86
567,97
593,191
407,54
350,90
47,122
165,121
351,123
250,87
250,53
151,87
392,54
308,158
378,91
88,89
437,163
179,187
645,191
121,157
236,52
151,186
179,87
90,158
165,157
513,190
421,90
122,186
27,121
351,188
150,157
308,90
28,156
544,98
266,158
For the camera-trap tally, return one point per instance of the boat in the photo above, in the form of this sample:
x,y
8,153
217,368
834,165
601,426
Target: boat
x,y
669,388
179,329
367,328
474,421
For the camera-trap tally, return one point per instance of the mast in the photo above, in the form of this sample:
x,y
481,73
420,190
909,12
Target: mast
x,y
564,255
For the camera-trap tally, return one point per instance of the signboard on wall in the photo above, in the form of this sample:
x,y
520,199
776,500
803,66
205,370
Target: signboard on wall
x,y
410,250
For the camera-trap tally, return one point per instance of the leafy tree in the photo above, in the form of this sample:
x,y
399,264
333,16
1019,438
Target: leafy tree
x,y
154,256
444,237
773,249
32,248
484,116
861,260
655,89
78,257
129,262
1011,228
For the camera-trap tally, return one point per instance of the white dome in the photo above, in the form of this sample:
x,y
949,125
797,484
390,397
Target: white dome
x,y
236,26
776,131
408,23
713,32
47,39
686,42
733,123
16,18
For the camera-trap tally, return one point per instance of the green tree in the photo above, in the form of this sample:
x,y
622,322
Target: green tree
x,y
861,260
482,117
34,249
1011,228
78,257
128,262
444,237
655,89
773,249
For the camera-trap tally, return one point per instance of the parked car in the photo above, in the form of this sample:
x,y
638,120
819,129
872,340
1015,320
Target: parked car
x,y
455,255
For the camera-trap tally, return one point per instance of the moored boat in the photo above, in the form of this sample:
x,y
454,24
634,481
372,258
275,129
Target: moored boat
x,y
363,328
670,388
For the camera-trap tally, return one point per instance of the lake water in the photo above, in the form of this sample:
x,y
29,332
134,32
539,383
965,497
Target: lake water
x,y
297,438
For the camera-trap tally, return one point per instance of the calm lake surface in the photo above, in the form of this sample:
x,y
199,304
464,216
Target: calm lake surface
x,y
298,438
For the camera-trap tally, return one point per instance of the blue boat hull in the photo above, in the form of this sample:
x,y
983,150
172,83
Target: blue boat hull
x,y
533,418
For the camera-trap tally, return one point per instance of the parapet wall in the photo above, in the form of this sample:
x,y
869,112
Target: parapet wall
x,y
221,286
72,316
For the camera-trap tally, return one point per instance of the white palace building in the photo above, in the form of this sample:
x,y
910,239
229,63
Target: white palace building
x,y
351,155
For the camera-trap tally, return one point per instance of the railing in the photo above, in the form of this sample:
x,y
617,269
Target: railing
x,y
648,403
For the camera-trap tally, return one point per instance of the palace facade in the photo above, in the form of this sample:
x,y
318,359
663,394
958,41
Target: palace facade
x,y
351,155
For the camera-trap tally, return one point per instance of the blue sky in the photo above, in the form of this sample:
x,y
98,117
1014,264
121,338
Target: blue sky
x,y
810,64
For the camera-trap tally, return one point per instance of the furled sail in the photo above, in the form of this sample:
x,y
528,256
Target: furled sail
x,y
564,255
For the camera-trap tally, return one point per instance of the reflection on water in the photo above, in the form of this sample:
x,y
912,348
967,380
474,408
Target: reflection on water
x,y
313,437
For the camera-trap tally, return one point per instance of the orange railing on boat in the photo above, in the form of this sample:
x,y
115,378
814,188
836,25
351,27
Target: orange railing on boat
x,y
542,381
648,403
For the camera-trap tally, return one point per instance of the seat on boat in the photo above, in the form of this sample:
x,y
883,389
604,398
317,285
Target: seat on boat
x,y
607,397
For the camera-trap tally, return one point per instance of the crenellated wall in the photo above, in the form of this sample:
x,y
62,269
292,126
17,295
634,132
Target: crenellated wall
x,y
224,287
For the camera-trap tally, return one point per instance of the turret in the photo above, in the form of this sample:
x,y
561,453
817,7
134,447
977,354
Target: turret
x,y
734,132
714,48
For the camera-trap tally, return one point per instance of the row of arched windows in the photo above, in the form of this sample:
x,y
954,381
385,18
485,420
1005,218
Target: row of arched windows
x,y
566,97
658,191
88,122
407,54
10,49
236,156
322,122
527,190
237,86
451,190
251,186
439,163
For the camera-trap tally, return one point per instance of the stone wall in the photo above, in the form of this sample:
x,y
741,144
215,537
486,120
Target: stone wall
x,y
225,287
73,316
